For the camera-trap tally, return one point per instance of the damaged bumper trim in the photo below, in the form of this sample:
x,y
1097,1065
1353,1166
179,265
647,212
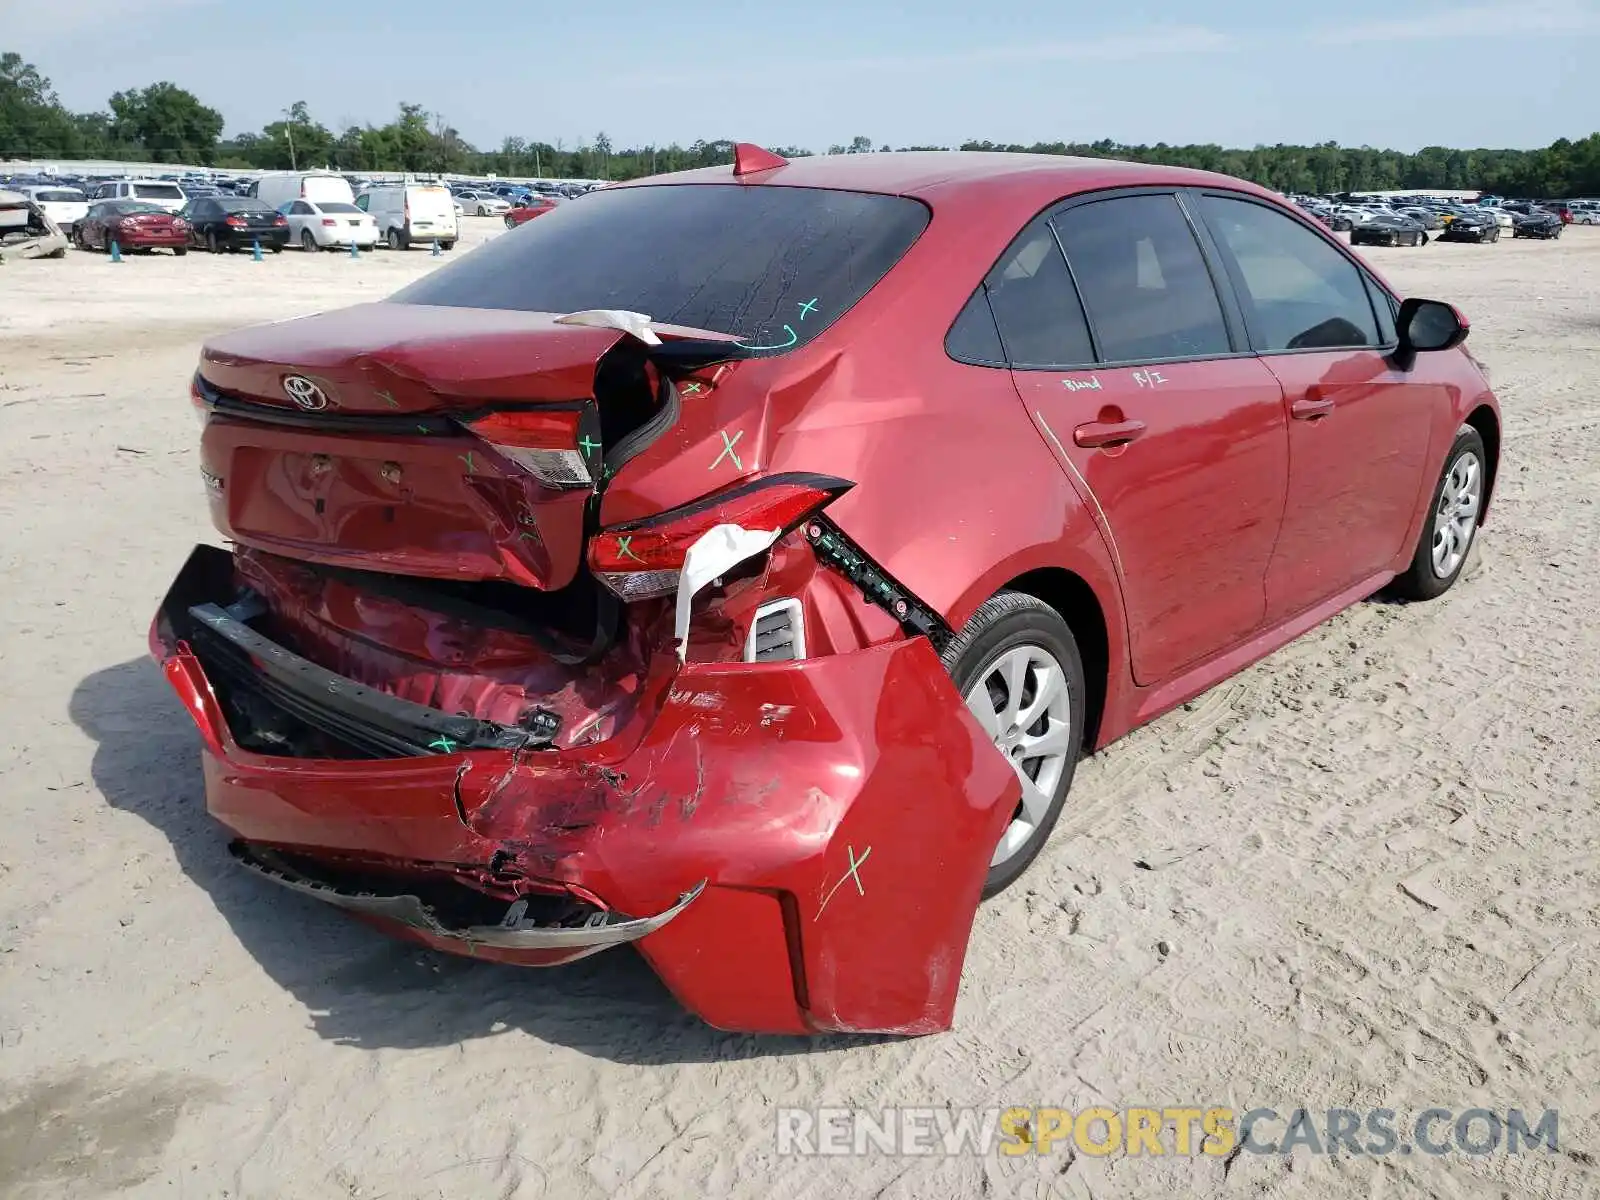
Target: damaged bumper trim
x,y
369,719
610,929
832,546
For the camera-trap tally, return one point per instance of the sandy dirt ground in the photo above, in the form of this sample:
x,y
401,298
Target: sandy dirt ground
x,y
1362,873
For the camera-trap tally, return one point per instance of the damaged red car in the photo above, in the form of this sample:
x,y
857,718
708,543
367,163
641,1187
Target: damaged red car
x,y
737,563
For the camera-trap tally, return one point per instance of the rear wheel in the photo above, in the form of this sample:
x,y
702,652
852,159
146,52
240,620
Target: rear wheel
x,y
308,241
179,251
449,245
1452,522
396,242
212,244
510,224
1018,667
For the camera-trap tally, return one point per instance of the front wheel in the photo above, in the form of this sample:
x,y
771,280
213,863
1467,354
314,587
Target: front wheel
x,y
510,224
1452,522
1018,667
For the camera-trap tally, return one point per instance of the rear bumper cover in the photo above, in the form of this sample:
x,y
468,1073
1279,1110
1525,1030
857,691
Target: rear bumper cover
x,y
794,847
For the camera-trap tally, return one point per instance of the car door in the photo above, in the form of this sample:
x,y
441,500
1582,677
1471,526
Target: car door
x,y
1131,360
1359,427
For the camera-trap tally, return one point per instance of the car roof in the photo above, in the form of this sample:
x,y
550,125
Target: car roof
x,y
929,174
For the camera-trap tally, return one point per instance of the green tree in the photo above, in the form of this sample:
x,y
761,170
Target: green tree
x,y
168,123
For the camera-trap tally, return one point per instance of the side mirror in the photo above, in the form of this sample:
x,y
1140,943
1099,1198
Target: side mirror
x,y
1426,326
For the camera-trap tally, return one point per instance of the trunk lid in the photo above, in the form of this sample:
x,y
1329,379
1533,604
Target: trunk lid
x,y
446,442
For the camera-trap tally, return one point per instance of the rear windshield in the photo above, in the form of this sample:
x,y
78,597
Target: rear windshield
x,y
135,206
59,196
242,204
158,191
335,206
773,266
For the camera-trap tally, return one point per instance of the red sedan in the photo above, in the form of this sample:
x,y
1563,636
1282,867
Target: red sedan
x,y
739,562
535,206
132,225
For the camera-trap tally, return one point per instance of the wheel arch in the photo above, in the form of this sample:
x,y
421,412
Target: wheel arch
x,y
1487,423
1071,596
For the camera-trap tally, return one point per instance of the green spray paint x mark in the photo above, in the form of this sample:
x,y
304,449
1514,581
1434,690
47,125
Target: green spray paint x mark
x,y
588,444
442,743
467,458
625,547
728,451
810,306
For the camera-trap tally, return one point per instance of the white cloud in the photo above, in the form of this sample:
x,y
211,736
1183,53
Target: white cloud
x,y
1484,21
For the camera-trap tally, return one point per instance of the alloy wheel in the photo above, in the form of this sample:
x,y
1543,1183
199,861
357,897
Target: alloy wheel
x,y
1022,702
1456,516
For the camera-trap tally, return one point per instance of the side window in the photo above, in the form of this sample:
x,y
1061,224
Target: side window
x,y
363,200
1035,306
975,338
1143,279
1299,293
300,208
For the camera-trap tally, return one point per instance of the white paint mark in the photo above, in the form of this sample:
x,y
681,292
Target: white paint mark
x,y
853,873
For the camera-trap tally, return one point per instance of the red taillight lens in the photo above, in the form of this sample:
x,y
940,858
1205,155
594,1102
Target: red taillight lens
x,y
557,446
236,221
280,219
329,222
643,559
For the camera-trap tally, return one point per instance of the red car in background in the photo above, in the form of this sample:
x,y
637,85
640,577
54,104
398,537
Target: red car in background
x,y
524,211
132,225
739,562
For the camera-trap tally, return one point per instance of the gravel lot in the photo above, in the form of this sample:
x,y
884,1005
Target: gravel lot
x,y
1363,873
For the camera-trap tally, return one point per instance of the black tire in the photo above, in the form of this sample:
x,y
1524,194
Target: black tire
x,y
308,241
510,224
447,246
396,240
276,249
1006,622
1420,580
212,244
179,251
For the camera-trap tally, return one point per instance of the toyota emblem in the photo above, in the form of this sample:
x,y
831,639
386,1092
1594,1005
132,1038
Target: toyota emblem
x,y
306,393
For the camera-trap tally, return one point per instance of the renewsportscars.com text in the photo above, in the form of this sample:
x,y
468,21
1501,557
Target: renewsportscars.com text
x,y
1176,1130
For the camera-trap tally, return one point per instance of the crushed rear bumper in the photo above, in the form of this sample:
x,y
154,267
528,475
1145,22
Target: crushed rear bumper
x,y
794,847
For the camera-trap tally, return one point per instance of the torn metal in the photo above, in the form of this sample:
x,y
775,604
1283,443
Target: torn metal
x,y
26,231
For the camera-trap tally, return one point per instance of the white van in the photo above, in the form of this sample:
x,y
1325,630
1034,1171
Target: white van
x,y
412,212
153,191
277,188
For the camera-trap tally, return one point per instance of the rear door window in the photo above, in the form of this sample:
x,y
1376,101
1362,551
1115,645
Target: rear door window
x,y
1144,282
773,266
1298,292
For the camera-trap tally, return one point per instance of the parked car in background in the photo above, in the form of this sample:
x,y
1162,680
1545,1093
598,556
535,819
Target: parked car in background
x,y
1389,229
330,224
483,204
132,225
1536,224
64,206
1587,215
543,628
1471,226
526,210
236,223
153,191
277,188
1426,217
412,212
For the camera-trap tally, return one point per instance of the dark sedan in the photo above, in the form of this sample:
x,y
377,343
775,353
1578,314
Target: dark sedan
x,y
1471,227
1536,223
236,223
130,225
1388,229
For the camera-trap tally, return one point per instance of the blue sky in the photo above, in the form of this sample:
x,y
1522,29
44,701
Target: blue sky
x,y
1403,74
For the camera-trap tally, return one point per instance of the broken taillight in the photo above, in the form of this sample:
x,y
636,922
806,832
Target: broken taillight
x,y
643,559
556,446
202,410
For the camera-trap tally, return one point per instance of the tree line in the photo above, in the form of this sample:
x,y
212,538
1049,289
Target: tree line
x,y
166,123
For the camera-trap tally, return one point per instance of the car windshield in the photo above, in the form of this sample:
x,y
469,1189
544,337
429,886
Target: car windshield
x,y
158,191
771,265
337,207
58,196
